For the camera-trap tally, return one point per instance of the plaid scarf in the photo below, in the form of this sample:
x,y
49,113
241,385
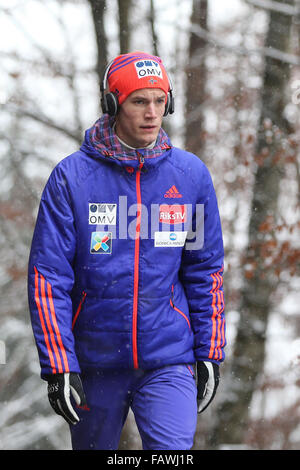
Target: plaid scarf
x,y
104,140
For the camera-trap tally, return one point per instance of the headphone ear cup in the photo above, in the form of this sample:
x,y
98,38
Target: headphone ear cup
x,y
109,104
169,108
172,104
103,104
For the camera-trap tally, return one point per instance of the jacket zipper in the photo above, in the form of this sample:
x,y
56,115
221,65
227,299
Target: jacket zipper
x,y
177,309
78,309
136,262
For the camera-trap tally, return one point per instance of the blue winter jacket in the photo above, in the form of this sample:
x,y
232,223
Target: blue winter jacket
x,y
126,263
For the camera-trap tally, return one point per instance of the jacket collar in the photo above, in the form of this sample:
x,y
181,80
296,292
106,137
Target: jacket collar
x,y
101,142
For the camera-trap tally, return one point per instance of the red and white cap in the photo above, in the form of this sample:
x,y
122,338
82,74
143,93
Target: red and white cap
x,y
134,71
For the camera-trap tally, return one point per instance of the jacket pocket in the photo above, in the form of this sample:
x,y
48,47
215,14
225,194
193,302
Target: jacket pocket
x,y
177,309
191,370
79,308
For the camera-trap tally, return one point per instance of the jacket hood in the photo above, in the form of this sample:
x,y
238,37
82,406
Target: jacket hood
x,y
101,142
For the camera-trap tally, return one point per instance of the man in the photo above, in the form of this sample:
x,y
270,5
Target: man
x,y
125,273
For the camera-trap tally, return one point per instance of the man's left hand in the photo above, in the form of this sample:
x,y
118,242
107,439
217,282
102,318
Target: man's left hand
x,y
208,376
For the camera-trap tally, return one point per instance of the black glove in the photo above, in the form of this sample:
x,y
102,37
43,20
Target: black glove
x,y
60,387
208,376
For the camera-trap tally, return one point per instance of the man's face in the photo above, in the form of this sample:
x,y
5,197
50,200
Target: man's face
x,y
139,119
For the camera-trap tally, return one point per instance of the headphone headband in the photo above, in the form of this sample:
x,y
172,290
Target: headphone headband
x,y
103,85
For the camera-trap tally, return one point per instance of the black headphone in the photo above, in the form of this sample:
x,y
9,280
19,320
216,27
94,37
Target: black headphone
x,y
109,101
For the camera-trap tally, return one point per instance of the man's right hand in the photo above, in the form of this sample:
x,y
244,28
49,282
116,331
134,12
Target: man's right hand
x,y
60,387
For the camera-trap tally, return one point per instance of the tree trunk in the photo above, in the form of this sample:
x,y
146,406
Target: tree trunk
x,y
98,10
195,79
153,30
124,26
260,282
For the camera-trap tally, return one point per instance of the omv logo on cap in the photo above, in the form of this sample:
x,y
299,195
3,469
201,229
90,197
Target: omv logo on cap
x,y
148,68
101,243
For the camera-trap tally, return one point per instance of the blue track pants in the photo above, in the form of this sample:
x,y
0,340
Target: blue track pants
x,y
164,403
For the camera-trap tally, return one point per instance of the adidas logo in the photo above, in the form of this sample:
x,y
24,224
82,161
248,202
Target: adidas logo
x,y
173,192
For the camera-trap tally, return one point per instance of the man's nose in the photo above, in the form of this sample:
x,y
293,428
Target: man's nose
x,y
151,110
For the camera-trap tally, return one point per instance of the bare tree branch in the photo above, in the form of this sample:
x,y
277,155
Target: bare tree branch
x,y
51,69
279,7
264,51
40,117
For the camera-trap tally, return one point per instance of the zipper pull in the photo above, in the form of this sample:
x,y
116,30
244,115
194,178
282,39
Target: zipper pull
x,y
141,159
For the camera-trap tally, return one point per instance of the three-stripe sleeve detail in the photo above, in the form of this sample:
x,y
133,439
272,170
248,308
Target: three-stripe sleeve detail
x,y
218,320
47,316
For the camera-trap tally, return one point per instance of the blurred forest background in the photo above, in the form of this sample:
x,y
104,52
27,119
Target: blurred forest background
x,y
235,66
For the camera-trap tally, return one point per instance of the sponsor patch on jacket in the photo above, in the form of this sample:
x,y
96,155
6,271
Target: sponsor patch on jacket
x,y
102,213
169,239
101,243
172,214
